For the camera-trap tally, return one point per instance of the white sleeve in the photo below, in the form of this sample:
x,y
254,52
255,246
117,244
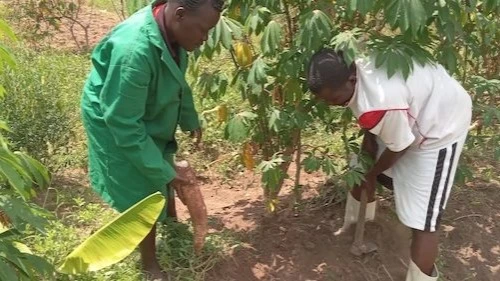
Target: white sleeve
x,y
394,130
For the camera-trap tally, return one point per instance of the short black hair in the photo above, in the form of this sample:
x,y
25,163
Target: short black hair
x,y
196,4
328,68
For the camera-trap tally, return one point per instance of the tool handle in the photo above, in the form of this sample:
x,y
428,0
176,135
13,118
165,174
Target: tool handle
x,y
360,226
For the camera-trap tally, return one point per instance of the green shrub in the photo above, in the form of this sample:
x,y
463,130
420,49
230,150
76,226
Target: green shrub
x,y
42,107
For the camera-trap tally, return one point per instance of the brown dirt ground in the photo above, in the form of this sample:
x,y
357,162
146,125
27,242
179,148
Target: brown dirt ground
x,y
301,246
77,34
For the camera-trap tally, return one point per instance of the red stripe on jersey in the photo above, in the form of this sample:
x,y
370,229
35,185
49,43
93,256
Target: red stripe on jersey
x,y
369,120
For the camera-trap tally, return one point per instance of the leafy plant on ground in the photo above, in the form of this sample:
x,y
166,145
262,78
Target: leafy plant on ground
x,y
42,106
19,176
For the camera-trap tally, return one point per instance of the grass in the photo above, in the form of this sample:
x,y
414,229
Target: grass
x,y
42,105
79,213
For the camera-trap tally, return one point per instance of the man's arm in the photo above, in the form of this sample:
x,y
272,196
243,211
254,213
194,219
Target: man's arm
x,y
386,161
394,130
369,144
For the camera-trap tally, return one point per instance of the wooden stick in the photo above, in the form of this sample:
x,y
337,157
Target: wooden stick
x,y
360,226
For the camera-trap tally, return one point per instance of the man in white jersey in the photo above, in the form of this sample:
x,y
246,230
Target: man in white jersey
x,y
415,128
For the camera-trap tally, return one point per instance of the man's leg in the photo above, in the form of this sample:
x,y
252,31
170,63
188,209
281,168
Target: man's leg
x,y
171,210
150,264
424,250
423,183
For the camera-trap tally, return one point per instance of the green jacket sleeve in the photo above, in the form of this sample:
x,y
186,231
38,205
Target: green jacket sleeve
x,y
123,102
188,120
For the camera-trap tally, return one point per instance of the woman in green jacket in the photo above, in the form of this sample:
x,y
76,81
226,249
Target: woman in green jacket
x,y
135,97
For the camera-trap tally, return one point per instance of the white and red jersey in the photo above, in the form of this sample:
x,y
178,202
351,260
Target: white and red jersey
x,y
428,110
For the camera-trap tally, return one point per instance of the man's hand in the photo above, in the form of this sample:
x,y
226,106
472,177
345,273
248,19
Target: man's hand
x,y
369,183
186,176
197,135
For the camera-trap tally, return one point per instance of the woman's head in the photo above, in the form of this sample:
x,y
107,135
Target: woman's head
x,y
189,21
330,79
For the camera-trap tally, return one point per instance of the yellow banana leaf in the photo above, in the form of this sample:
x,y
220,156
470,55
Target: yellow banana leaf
x,y
116,240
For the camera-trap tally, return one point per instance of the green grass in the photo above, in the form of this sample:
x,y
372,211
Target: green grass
x,y
42,105
79,213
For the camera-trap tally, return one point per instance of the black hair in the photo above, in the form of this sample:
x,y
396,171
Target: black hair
x,y
196,4
328,68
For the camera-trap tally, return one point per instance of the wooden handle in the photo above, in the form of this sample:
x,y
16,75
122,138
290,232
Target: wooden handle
x,y
360,226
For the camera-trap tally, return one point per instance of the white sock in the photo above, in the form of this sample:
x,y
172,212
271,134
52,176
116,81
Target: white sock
x,y
415,274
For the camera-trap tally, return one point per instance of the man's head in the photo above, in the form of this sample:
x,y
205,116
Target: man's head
x,y
189,21
330,79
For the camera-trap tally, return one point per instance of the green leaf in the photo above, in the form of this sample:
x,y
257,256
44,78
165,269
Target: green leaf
x,y
37,171
237,128
363,6
257,20
7,57
6,30
448,57
224,31
274,120
488,116
328,167
3,126
315,30
290,66
38,265
247,115
349,179
21,213
398,54
12,255
347,42
2,92
271,172
6,271
271,40
14,178
24,262
213,84
258,72
117,239
235,27
406,14
311,163
6,233
491,5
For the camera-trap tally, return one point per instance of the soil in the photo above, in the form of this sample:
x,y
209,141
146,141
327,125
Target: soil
x,y
301,245
79,32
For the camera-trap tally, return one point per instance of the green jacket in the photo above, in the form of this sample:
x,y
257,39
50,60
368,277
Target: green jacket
x,y
133,100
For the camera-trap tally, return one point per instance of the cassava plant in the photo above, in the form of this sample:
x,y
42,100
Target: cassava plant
x,y
270,42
